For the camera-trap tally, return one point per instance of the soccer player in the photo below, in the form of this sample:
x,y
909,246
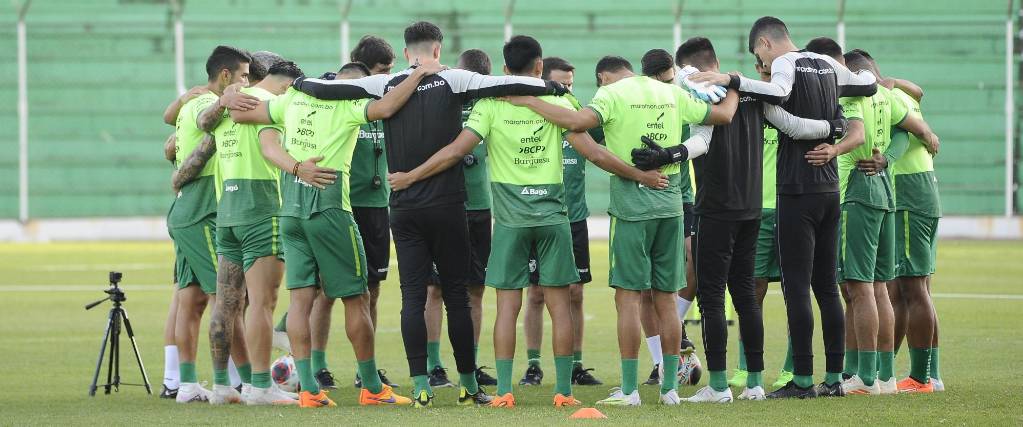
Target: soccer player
x,y
191,221
574,175
527,184
646,224
428,220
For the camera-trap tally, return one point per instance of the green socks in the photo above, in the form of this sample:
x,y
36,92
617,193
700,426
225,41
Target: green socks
x,y
220,377
718,380
370,377
319,360
577,359
630,373
563,375
886,365
918,360
789,365
187,372
468,382
305,376
261,379
742,357
534,356
867,366
851,362
832,378
803,381
935,373
421,383
282,326
754,379
433,355
504,376
245,372
670,380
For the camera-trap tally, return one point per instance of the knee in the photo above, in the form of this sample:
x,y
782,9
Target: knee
x,y
575,294
535,296
476,292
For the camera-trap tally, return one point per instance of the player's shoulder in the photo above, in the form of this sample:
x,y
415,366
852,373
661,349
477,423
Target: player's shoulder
x,y
201,101
561,101
259,92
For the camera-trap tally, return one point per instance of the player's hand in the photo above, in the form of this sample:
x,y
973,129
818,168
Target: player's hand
x,y
400,180
170,148
710,77
821,154
932,142
235,100
559,89
314,175
521,101
654,179
193,93
430,67
876,163
705,91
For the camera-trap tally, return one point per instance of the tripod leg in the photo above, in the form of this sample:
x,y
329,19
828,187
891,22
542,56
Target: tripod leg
x,y
135,347
99,360
117,354
114,332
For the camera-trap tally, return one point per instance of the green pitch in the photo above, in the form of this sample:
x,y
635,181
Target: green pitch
x,y
51,345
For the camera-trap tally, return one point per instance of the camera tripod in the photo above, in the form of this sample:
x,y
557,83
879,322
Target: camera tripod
x,y
113,336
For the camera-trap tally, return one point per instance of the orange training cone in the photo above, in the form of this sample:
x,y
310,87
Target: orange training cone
x,y
585,413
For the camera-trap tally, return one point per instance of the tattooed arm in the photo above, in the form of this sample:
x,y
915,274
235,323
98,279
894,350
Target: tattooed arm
x,y
226,311
191,167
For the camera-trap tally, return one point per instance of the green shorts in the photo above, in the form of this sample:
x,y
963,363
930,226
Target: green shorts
x,y
866,251
766,261
325,250
916,240
508,265
244,244
195,255
648,254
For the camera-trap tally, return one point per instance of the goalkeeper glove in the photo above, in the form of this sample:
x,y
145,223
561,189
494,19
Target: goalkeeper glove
x,y
655,156
703,91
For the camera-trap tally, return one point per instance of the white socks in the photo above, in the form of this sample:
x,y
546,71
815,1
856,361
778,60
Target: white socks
x,y
654,345
232,373
171,374
683,307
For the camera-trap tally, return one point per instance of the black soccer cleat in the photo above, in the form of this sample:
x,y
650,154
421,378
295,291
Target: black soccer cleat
x,y
483,378
687,346
655,376
385,380
533,376
581,376
168,393
791,390
439,377
326,380
834,390
480,398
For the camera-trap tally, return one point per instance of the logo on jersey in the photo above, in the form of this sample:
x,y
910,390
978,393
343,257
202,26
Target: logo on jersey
x,y
814,70
230,188
527,191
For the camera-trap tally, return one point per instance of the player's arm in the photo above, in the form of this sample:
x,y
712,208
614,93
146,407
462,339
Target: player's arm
x,y
396,98
799,128
232,99
170,114
366,87
440,161
307,171
722,112
860,83
879,161
919,128
823,153
776,91
170,148
911,89
192,166
474,85
600,156
259,115
565,118
655,157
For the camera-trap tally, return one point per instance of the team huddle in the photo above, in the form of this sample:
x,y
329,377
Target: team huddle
x,y
817,173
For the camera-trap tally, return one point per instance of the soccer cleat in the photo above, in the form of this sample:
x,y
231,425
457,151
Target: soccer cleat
x,y
168,393
423,400
617,398
687,346
791,390
192,392
855,385
383,379
224,395
290,395
505,401
480,398
309,400
561,401
888,387
783,378
833,390
582,376
937,384
533,376
385,397
483,378
910,385
707,394
755,393
268,396
655,376
326,379
671,398
246,391
439,377
738,378
281,341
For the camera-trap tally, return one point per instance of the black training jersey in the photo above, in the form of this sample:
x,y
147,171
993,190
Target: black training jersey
x,y
807,85
729,174
430,120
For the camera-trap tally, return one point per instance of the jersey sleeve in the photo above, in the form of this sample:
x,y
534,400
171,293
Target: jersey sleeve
x,y
899,108
481,118
567,101
359,110
776,91
334,90
852,107
603,103
472,85
690,109
277,106
796,127
201,104
861,83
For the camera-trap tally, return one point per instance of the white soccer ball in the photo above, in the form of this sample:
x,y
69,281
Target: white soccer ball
x,y
285,374
689,369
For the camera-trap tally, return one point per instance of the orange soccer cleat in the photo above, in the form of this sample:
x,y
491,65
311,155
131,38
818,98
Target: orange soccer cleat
x,y
561,400
385,397
910,385
505,401
309,400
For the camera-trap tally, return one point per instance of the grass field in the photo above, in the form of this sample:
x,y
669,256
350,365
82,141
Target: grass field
x,y
52,344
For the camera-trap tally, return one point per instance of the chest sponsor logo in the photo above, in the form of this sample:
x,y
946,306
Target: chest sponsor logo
x,y
230,188
812,70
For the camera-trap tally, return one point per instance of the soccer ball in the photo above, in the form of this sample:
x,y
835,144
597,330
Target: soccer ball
x,y
285,374
689,369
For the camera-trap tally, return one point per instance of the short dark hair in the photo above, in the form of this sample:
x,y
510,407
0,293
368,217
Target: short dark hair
x,y
261,62
285,68
552,63
858,59
521,53
824,46
354,66
475,60
225,57
610,64
697,51
656,61
423,31
372,50
767,26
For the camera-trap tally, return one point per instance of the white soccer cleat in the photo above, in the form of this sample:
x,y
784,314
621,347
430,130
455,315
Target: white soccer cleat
x,y
617,398
755,393
290,395
281,341
707,394
855,385
887,387
224,395
936,383
269,396
246,390
192,392
671,398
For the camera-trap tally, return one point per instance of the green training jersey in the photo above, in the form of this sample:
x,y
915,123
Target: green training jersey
x,y
368,161
197,199
477,179
247,184
315,127
770,166
574,175
879,114
640,106
525,162
916,188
